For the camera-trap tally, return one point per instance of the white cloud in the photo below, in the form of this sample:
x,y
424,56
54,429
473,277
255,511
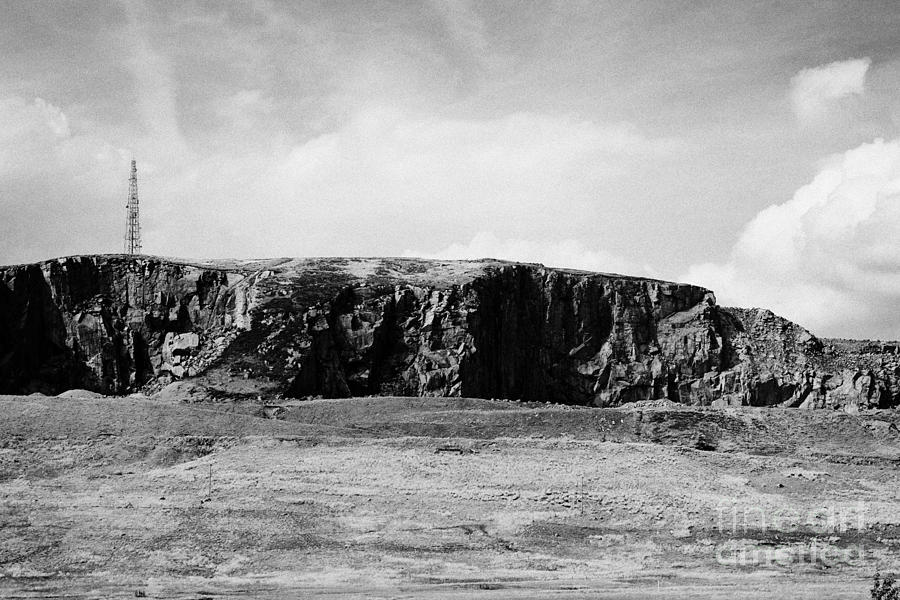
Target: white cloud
x,y
36,142
386,181
828,258
26,129
814,91
382,182
243,109
155,83
463,25
570,254
58,188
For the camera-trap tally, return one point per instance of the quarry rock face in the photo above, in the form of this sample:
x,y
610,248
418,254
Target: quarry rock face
x,y
353,327
104,323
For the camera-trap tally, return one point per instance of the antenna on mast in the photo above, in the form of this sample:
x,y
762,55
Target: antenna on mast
x,y
133,217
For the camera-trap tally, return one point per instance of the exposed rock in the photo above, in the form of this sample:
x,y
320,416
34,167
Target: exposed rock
x,y
183,391
342,327
79,394
177,345
99,322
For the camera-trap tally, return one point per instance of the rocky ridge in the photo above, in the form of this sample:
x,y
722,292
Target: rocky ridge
x,y
355,327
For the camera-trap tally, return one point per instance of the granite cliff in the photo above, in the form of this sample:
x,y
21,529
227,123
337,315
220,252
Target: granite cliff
x,y
353,327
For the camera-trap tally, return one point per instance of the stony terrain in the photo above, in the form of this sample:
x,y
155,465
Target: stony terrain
x,y
441,498
352,327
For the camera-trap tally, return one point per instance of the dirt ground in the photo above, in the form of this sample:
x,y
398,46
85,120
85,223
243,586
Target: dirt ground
x,y
441,498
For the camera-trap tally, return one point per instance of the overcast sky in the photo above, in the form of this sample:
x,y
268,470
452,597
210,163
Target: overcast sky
x,y
748,146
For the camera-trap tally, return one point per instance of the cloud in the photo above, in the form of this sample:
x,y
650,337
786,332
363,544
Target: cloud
x,y
815,91
56,185
244,108
571,254
387,180
155,88
467,33
463,25
828,258
26,129
383,181
36,142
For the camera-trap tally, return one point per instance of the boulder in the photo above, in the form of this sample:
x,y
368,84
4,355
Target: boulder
x,y
176,346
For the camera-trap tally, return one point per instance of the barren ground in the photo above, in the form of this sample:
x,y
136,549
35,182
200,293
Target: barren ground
x,y
441,498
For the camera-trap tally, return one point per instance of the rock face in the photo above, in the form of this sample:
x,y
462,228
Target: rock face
x,y
103,323
512,331
351,327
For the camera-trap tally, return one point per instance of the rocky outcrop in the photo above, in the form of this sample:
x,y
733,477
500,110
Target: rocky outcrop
x,y
353,327
104,323
512,331
774,362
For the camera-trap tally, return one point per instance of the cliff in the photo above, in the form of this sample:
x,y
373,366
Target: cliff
x,y
353,327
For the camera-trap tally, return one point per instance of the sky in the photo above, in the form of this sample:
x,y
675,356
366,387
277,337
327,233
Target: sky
x,y
749,147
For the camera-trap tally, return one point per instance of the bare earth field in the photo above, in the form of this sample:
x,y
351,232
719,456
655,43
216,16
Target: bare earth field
x,y
441,498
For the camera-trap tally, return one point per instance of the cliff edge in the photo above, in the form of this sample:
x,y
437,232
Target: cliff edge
x,y
340,327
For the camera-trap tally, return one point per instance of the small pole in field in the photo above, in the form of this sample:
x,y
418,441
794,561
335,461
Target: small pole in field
x,y
582,495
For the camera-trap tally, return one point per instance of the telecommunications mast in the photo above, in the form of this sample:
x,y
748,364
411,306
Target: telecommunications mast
x,y
133,218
